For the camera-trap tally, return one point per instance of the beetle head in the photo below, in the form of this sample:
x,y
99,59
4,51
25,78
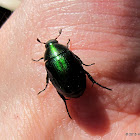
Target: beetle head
x,y
48,43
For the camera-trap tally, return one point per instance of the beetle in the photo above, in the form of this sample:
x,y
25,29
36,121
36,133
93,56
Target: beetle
x,y
65,70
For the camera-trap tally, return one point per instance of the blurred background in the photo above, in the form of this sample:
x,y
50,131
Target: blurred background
x,y
7,7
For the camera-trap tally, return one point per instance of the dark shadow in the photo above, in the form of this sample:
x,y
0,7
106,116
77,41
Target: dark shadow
x,y
4,15
125,72
89,113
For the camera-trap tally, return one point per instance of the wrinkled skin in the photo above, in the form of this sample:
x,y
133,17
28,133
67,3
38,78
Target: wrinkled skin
x,y
106,33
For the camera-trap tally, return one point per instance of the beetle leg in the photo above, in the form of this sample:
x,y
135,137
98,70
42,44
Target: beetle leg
x,y
82,61
47,81
68,43
38,59
88,65
93,81
64,99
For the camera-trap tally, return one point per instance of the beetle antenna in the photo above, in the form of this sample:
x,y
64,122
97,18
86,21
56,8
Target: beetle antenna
x,y
40,41
60,31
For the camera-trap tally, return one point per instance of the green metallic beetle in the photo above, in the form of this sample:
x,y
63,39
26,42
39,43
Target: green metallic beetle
x,y
65,70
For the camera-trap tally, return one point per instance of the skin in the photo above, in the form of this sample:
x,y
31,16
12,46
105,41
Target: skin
x,y
102,32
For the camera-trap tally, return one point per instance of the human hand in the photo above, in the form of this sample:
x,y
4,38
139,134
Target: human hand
x,y
105,33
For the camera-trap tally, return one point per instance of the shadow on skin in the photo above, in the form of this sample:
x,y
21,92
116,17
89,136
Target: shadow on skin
x,y
89,113
125,71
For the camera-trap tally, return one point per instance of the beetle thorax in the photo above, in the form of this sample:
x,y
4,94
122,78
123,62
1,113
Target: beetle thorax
x,y
54,50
